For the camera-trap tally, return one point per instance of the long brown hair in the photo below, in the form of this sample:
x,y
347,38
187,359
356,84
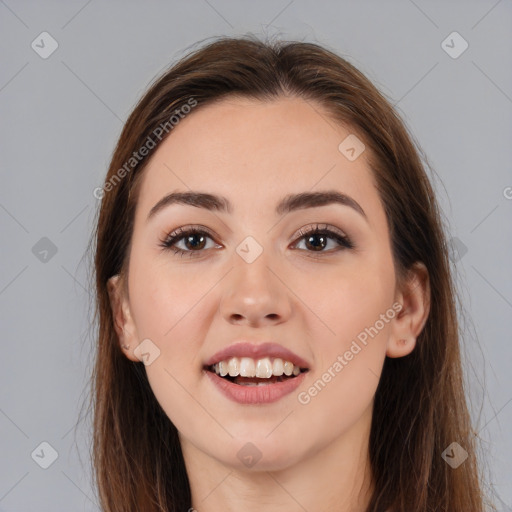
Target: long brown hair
x,y
420,405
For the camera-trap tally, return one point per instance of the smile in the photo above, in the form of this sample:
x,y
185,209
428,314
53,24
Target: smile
x,y
246,371
250,373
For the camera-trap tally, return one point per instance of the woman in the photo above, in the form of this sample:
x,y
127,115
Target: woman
x,y
277,328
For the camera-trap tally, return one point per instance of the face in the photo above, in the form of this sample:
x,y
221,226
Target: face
x,y
250,274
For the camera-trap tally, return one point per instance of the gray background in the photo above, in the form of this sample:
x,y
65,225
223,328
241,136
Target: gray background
x,y
61,116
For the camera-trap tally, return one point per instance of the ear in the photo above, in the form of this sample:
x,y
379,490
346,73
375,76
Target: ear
x,y
414,296
123,322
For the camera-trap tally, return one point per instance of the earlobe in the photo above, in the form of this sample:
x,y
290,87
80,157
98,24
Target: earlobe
x,y
121,316
400,347
414,296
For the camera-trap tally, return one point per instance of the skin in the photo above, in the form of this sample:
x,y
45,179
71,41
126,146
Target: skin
x,y
314,455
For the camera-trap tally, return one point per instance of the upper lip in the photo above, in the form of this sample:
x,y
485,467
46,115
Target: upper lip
x,y
256,351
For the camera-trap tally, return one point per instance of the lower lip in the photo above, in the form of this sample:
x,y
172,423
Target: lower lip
x,y
256,394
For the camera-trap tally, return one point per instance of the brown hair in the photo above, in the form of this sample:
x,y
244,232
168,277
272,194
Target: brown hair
x,y
420,405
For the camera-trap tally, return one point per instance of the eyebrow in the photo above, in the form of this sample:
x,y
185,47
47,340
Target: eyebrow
x,y
290,203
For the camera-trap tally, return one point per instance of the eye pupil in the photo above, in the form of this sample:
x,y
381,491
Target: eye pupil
x,y
191,237
316,247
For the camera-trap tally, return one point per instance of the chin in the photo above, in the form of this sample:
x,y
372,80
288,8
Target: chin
x,y
257,453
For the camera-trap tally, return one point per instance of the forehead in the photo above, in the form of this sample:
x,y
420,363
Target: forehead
x,y
255,151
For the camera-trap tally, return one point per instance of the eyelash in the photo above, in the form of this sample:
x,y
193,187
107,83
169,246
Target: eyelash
x,y
169,242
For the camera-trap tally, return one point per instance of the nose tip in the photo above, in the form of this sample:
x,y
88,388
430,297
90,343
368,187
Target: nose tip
x,y
254,296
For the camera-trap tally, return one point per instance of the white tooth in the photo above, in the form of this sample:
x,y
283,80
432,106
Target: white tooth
x,y
264,368
233,367
216,368
262,384
247,367
277,367
223,368
296,370
288,368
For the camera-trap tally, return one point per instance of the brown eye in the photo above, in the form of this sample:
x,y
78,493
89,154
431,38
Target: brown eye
x,y
193,241
317,239
316,242
196,241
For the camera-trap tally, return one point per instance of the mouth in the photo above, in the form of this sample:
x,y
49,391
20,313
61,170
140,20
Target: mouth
x,y
246,371
250,374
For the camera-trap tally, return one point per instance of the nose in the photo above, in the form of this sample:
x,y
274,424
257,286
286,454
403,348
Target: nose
x,y
255,295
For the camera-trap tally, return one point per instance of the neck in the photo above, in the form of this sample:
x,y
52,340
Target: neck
x,y
336,477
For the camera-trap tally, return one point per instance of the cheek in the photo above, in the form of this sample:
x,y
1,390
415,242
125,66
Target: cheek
x,y
167,316
357,307
167,309
350,301
350,362
162,298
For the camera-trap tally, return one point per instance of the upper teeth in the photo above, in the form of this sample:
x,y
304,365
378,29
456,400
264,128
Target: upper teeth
x,y
262,368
